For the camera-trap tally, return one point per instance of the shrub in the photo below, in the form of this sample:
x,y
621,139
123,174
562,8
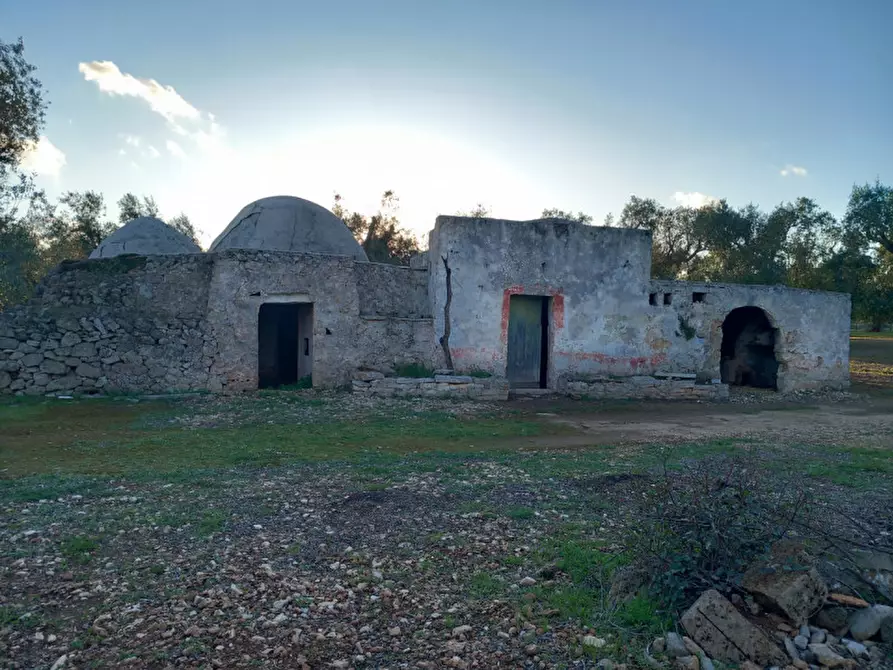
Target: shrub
x,y
702,526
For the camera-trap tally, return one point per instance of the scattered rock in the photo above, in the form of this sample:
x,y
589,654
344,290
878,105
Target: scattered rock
x,y
817,637
787,582
835,619
459,631
828,657
527,581
687,663
801,642
676,646
857,649
692,647
724,634
593,641
866,623
791,648
659,645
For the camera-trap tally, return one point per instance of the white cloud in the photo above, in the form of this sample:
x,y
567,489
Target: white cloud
x,y
175,149
182,118
795,170
162,99
141,148
695,200
43,157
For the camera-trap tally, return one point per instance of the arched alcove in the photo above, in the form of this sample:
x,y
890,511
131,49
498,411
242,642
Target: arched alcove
x,y
748,356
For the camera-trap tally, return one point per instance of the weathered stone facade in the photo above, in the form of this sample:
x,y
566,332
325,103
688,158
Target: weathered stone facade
x,y
192,321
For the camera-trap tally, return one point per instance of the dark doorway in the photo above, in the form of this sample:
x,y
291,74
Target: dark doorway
x,y
284,344
748,349
528,341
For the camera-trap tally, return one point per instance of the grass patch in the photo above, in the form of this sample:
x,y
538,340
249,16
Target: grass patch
x,y
484,586
520,513
415,370
79,548
212,521
855,467
94,437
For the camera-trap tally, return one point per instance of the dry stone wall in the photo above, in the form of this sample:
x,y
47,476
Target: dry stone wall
x,y
117,324
376,384
646,387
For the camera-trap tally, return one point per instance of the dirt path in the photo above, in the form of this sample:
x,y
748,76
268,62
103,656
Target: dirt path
x,y
855,423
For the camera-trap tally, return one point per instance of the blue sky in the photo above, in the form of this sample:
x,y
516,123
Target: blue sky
x,y
518,105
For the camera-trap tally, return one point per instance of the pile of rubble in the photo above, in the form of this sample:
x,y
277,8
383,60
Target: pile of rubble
x,y
787,618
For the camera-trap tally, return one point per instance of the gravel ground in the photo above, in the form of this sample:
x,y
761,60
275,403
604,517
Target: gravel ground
x,y
438,561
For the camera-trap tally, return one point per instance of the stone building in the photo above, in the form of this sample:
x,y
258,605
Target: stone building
x,y
285,294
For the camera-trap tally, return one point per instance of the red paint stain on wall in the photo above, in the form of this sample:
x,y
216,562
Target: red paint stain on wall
x,y
634,363
474,353
557,310
557,305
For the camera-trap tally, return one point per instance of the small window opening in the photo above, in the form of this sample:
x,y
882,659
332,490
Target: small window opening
x,y
306,346
668,298
652,298
697,296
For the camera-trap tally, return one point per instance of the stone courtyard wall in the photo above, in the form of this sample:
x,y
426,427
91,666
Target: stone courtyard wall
x,y
813,330
654,387
454,386
392,290
190,322
129,323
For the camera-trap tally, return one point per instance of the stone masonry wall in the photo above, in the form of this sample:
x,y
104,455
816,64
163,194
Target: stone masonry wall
x,y
392,290
356,313
376,384
126,323
595,279
813,330
645,387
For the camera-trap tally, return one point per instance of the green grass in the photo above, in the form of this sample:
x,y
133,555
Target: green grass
x,y
519,513
79,548
484,586
415,370
110,438
212,521
854,467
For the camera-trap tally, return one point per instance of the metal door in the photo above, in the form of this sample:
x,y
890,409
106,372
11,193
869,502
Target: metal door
x,y
525,341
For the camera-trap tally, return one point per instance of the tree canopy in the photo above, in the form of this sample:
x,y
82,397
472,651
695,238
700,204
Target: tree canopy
x,y
381,235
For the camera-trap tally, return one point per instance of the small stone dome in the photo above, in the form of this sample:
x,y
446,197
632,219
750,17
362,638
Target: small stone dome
x,y
145,236
286,223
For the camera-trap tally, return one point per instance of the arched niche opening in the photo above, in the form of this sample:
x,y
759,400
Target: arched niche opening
x,y
748,356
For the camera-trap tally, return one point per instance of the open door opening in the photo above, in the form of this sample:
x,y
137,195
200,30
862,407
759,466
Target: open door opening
x,y
748,349
528,342
284,344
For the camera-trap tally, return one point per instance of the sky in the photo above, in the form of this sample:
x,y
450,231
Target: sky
x,y
517,105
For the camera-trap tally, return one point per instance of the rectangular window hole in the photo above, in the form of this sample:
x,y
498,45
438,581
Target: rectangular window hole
x,y
668,298
698,296
652,298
